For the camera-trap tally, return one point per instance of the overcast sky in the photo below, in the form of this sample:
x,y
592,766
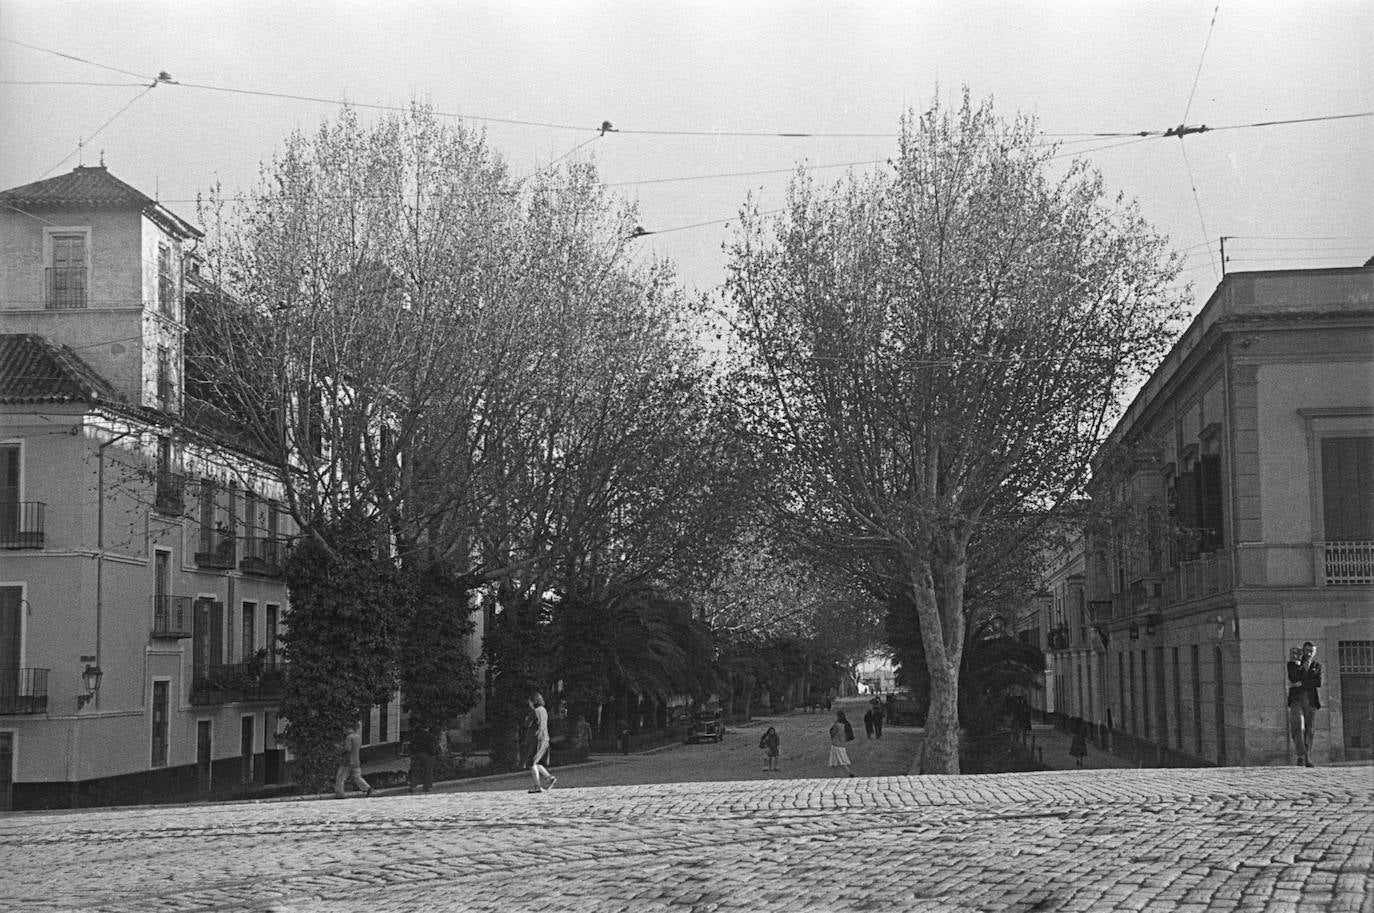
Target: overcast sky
x,y
1292,196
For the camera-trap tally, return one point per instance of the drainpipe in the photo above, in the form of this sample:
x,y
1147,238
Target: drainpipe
x,y
100,545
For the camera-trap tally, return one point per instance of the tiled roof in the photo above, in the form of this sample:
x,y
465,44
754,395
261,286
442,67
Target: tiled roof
x,y
34,370
94,186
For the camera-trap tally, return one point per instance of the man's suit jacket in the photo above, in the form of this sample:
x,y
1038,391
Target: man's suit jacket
x,y
1305,681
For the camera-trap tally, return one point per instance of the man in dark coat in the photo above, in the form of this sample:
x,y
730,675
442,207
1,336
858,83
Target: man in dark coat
x,y
1304,678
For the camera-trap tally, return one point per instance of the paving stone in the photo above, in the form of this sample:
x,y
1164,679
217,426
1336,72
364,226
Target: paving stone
x,y
1196,841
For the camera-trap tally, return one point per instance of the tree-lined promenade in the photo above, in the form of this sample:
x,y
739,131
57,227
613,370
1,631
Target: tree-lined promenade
x,y
482,396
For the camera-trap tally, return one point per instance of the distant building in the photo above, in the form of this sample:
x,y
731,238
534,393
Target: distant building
x,y
1235,519
141,595
1056,621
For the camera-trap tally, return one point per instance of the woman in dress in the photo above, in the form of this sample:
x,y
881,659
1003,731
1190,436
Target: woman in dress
x,y
538,738
769,743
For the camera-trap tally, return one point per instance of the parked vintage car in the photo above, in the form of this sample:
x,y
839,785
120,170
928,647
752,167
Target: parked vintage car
x,y
706,725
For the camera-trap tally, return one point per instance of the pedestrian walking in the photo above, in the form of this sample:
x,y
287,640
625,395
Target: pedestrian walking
x,y
1079,746
841,733
877,718
350,763
890,707
868,724
424,746
1304,678
537,742
769,743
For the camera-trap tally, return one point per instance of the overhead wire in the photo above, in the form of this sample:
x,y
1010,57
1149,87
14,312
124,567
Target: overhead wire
x,y
66,82
111,119
1201,59
103,66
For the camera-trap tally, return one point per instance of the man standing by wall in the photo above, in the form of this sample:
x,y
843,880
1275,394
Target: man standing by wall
x,y
1304,678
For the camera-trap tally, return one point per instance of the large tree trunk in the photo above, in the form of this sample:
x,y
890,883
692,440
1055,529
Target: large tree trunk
x,y
939,592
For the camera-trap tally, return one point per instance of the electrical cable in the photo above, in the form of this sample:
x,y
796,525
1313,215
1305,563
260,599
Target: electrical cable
x,y
1198,74
79,145
61,82
382,107
103,66
1192,182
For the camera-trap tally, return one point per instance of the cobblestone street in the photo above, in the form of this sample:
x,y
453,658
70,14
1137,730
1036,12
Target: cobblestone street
x,y
1274,839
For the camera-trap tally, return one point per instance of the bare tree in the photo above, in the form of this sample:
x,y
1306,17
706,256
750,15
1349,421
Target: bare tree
x,y
937,349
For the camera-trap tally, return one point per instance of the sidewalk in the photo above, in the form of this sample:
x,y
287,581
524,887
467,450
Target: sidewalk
x,y
1051,748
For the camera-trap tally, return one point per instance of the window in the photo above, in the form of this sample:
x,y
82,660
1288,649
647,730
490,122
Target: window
x,y
249,626
207,638
162,590
67,278
165,399
1210,529
169,482
9,494
166,282
273,620
1348,489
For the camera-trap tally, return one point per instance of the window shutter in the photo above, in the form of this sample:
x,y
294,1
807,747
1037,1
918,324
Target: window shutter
x,y
1348,489
1188,513
1209,502
217,633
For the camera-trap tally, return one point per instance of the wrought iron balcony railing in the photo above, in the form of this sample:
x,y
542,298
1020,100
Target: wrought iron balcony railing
x,y
173,616
1349,563
21,524
65,287
1198,577
217,549
258,679
23,691
263,555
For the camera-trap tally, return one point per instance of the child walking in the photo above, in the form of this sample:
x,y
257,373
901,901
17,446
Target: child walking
x,y
769,744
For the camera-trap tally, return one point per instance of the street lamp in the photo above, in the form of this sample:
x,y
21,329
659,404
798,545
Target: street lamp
x,y
90,680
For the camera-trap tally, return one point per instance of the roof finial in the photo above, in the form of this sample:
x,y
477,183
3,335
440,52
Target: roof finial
x,y
80,147
102,158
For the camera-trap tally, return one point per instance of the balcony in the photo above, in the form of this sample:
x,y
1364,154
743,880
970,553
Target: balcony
x,y
258,679
65,287
1198,578
172,616
263,556
23,691
1349,563
171,493
217,549
21,524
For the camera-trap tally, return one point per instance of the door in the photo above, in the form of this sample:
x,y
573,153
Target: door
x,y
1355,665
1220,708
161,693
204,768
246,750
6,771
11,648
